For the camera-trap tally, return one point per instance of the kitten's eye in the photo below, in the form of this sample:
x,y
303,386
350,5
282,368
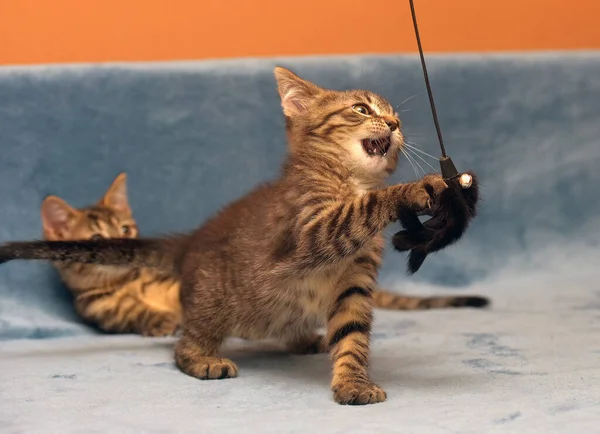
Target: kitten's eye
x,y
96,237
363,109
125,230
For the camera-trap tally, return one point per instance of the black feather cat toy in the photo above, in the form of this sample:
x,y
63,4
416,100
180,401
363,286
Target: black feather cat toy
x,y
452,211
451,214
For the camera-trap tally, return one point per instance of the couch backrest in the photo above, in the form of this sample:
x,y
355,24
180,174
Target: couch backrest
x,y
194,136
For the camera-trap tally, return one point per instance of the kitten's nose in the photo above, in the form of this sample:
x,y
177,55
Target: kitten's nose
x,y
391,122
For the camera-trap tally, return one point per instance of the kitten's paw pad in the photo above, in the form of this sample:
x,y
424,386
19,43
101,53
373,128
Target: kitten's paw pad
x,y
315,345
355,392
209,368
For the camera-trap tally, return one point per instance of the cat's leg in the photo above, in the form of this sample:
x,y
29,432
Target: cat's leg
x,y
157,323
110,310
348,333
203,331
196,355
312,343
118,311
162,313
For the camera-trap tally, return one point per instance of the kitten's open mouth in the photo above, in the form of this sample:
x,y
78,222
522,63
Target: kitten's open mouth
x,y
378,146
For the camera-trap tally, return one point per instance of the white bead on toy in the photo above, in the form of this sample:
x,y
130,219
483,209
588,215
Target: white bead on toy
x,y
465,180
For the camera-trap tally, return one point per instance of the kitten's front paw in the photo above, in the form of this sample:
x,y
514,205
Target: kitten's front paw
x,y
427,190
358,392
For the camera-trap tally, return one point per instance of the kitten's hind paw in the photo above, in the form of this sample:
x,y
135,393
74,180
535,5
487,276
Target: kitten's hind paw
x,y
208,368
191,360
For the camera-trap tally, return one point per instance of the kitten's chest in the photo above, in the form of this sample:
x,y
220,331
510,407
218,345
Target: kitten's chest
x,y
302,306
314,294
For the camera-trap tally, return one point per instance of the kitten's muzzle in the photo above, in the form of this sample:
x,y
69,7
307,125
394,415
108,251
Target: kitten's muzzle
x,y
392,122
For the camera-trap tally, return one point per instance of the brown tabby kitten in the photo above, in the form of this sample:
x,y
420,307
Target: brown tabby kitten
x,y
145,300
115,299
294,254
303,251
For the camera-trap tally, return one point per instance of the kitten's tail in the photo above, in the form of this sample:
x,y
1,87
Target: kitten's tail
x,y
159,253
394,301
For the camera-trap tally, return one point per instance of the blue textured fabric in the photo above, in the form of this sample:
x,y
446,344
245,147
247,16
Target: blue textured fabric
x,y
194,136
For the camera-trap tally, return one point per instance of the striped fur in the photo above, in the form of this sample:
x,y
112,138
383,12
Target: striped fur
x,y
295,254
145,300
114,299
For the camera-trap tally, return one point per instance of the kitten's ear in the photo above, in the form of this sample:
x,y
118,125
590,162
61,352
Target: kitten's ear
x,y
57,217
295,93
116,196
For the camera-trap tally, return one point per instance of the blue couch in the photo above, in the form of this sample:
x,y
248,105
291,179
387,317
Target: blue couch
x,y
193,136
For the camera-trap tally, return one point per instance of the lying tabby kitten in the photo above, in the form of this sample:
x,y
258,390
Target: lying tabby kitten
x,y
144,300
294,254
115,299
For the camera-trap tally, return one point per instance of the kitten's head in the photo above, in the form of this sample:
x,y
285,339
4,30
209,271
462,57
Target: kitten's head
x,y
359,128
109,218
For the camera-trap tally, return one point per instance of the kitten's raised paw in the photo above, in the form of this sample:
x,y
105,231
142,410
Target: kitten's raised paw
x,y
358,392
208,368
428,191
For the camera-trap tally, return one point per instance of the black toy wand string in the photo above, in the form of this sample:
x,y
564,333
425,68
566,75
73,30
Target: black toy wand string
x,y
446,165
451,212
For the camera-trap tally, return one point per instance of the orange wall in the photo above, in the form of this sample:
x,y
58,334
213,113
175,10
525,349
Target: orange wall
x,y
48,31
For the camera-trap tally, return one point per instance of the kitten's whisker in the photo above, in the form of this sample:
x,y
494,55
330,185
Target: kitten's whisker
x,y
414,168
420,167
409,149
411,163
414,148
408,99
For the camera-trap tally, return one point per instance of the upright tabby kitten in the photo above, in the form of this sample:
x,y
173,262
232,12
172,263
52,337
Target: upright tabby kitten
x,y
294,254
115,299
145,300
